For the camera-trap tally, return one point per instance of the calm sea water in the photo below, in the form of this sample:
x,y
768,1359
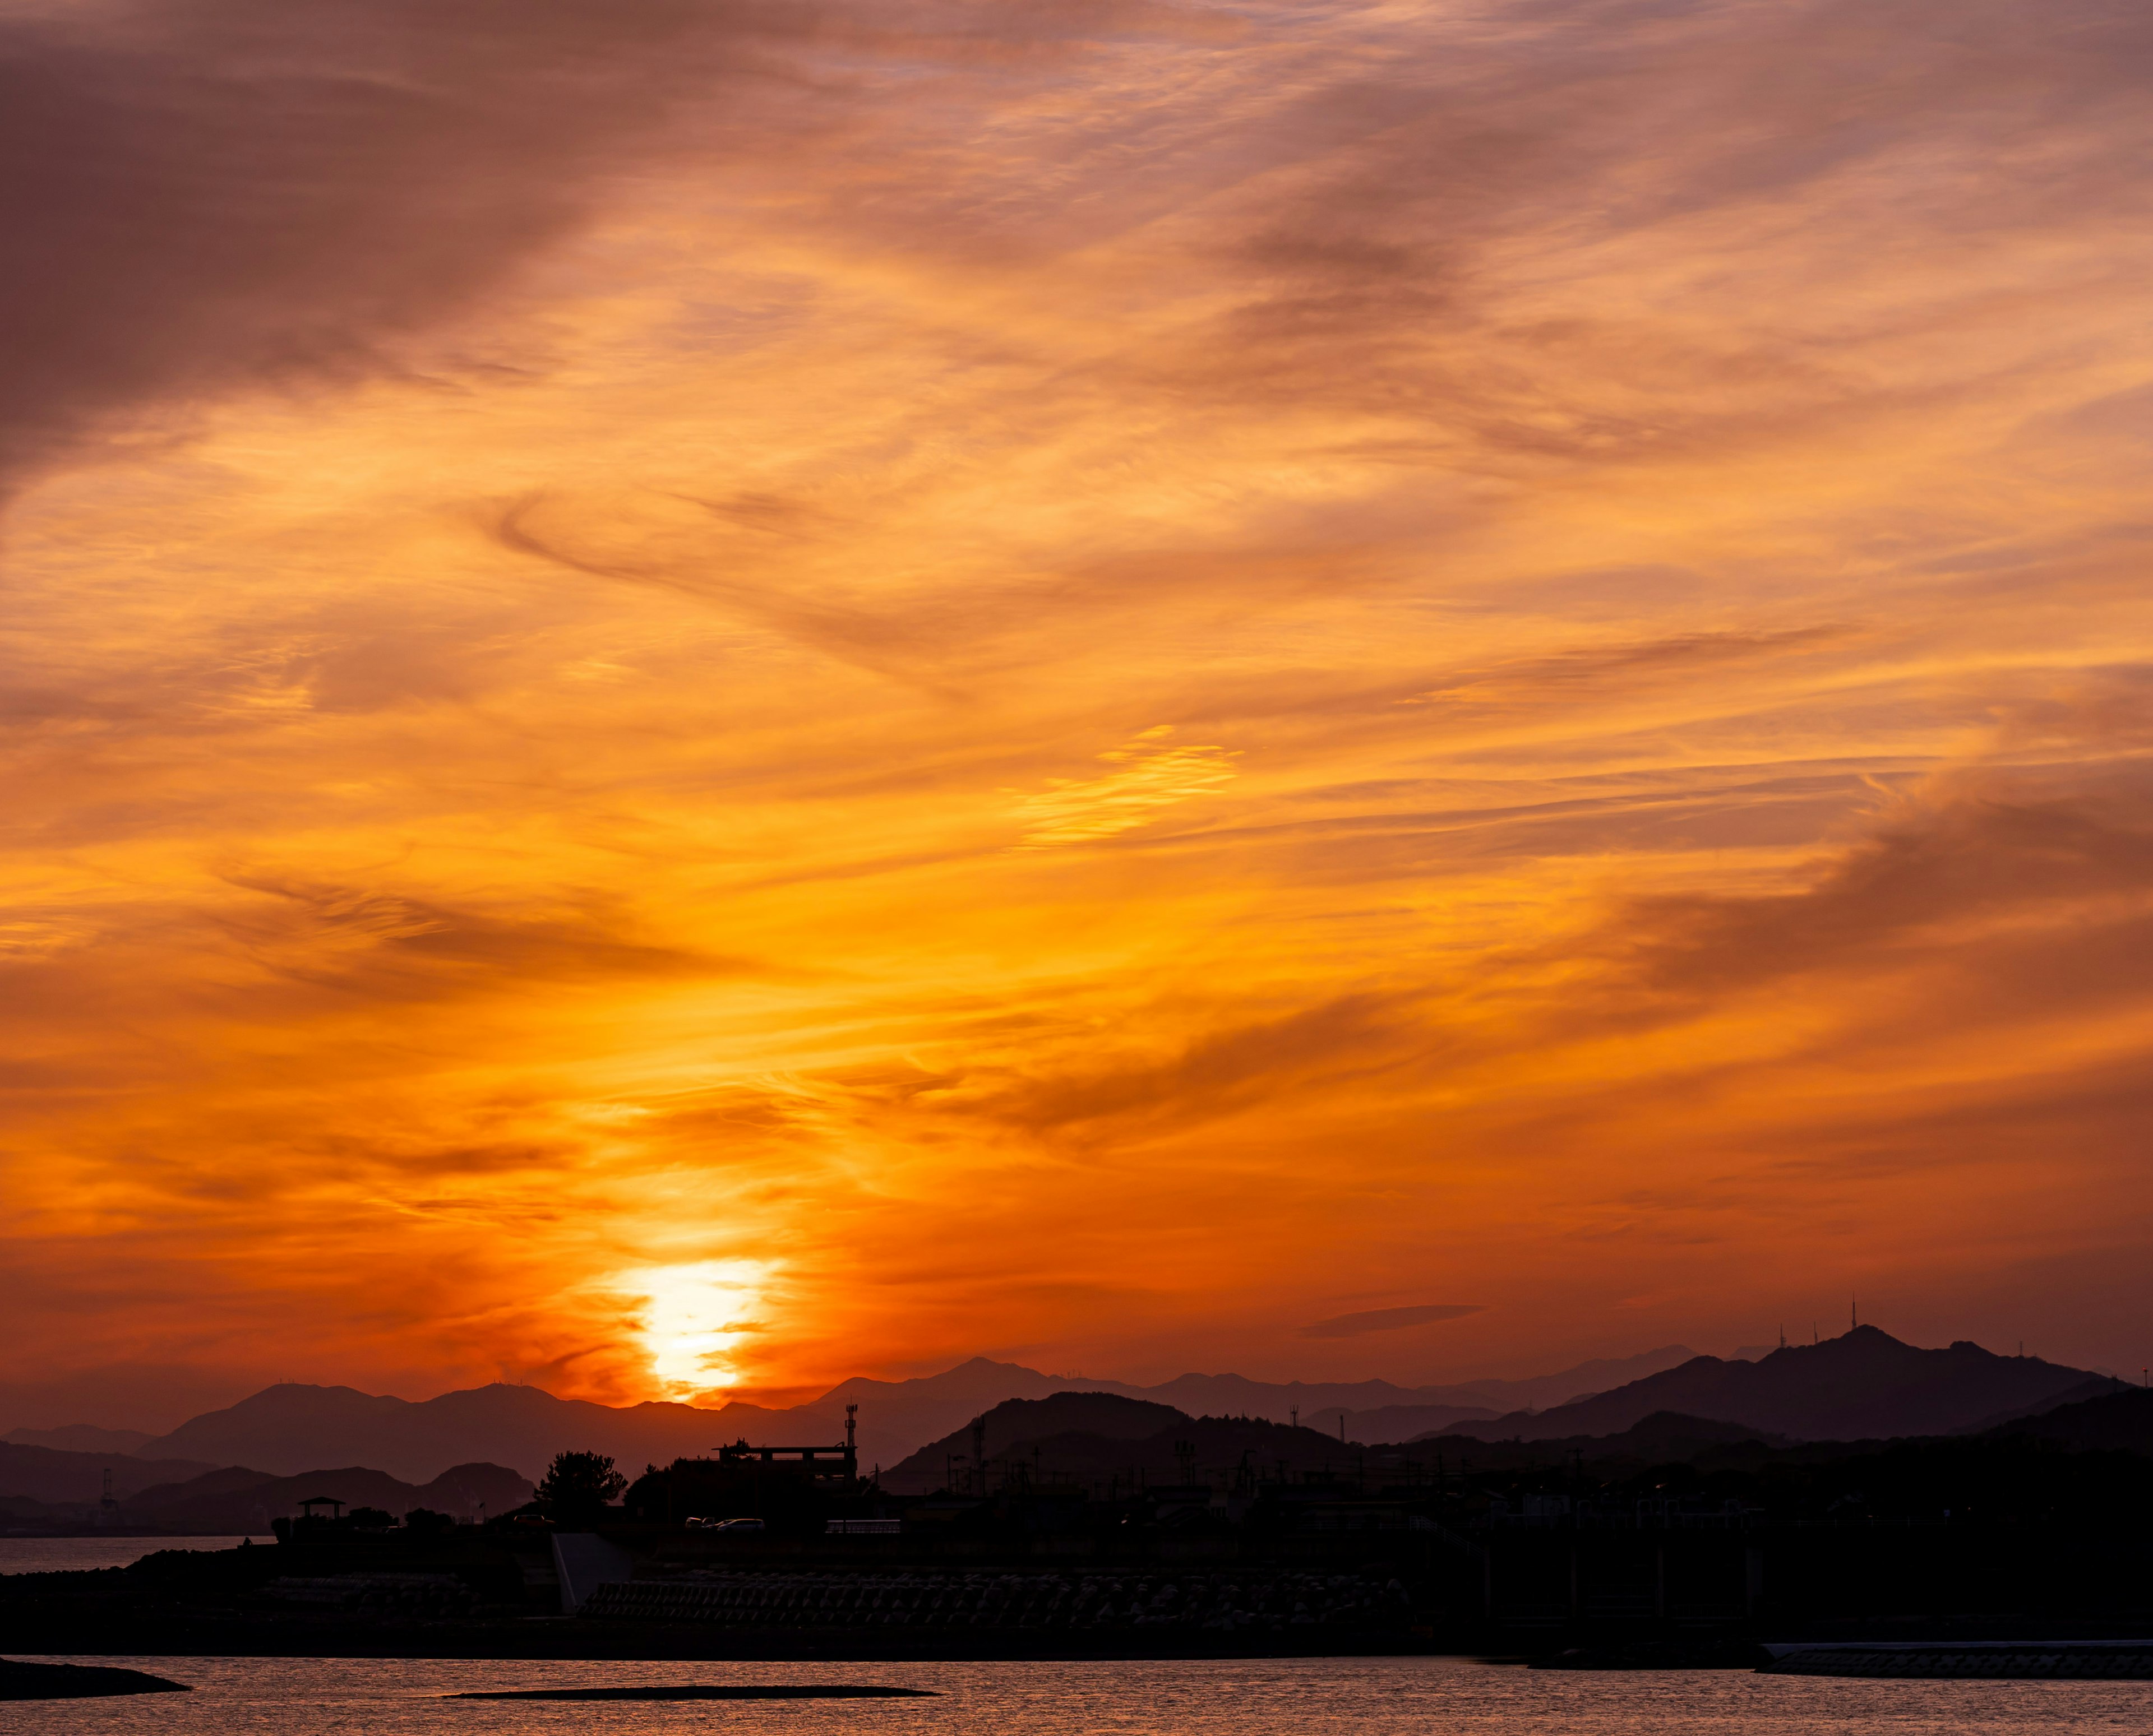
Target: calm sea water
x,y
1380,1696
74,1554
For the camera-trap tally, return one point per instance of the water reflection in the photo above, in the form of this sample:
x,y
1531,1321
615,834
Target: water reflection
x,y
1371,1697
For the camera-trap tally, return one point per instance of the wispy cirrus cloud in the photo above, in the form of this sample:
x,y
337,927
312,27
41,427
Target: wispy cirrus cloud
x,y
1083,666
1150,773
1389,1320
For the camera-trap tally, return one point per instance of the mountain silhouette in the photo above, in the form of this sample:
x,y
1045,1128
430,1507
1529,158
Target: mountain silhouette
x,y
287,1428
81,1438
1089,1438
51,1473
236,1501
1863,1385
1665,1437
1397,1421
1319,1403
284,1429
2093,1386
1016,1424
2120,1421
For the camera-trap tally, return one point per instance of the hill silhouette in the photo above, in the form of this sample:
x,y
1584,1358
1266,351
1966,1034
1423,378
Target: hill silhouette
x,y
1321,1403
1864,1384
1016,1424
50,1474
2117,1422
284,1429
81,1438
1091,1440
1664,1437
1399,1422
237,1501
287,1428
291,1426
2093,1386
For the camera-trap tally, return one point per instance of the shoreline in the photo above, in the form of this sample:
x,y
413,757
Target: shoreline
x,y
566,1639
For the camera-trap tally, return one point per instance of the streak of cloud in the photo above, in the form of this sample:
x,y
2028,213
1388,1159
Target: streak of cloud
x,y
1389,1320
1151,774
1109,667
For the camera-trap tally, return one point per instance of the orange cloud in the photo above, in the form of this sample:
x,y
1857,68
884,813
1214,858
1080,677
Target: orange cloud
x,y
698,700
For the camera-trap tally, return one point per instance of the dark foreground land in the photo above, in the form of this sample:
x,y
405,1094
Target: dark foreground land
x,y
2015,1660
1969,1599
1684,1540
77,1682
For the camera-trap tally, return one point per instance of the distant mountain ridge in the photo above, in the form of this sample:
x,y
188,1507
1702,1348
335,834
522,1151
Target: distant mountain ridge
x,y
284,1429
54,1475
2120,1421
235,1501
1865,1385
1016,1424
80,1437
241,1502
1088,1439
1862,1385
287,1428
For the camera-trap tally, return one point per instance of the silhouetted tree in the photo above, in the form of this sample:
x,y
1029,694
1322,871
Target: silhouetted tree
x,y
576,1487
425,1518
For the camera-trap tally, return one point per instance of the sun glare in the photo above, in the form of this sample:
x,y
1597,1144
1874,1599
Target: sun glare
x,y
694,1318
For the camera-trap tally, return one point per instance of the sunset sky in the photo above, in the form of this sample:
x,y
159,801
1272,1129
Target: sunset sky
x,y
701,696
